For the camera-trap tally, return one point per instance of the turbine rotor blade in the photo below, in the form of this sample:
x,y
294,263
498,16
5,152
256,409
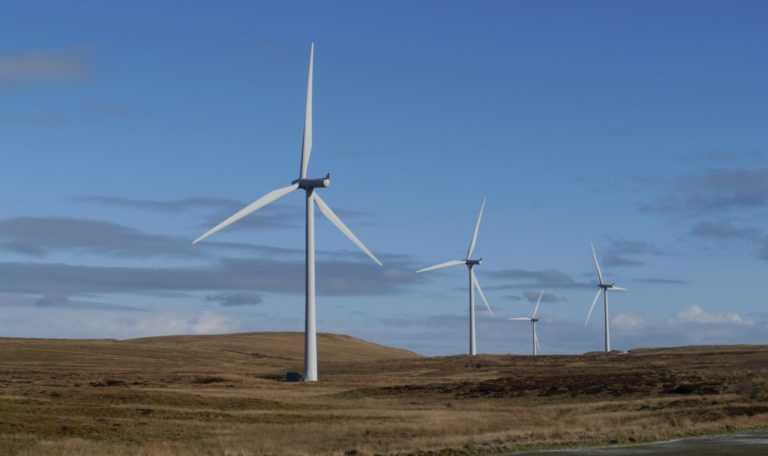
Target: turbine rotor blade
x,y
593,305
536,341
480,292
447,264
477,229
520,318
537,305
618,289
330,215
254,206
306,146
597,265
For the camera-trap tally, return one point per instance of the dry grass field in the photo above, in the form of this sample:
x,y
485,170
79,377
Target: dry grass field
x,y
211,395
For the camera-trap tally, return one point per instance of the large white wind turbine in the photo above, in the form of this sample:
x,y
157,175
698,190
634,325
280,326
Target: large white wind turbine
x,y
473,283
533,320
309,186
603,287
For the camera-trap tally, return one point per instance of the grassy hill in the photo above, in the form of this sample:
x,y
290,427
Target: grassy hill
x,y
279,345
224,394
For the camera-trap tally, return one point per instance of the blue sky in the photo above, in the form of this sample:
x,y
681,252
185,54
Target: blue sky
x,y
129,128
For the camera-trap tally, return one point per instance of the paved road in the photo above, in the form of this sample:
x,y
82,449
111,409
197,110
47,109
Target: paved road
x,y
753,443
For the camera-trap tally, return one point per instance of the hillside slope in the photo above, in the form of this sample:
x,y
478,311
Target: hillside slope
x,y
225,395
243,353
287,345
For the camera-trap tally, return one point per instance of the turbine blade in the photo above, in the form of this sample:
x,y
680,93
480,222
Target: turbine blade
x,y
477,229
447,264
254,206
618,289
597,265
520,318
330,215
306,146
593,305
537,305
536,341
482,295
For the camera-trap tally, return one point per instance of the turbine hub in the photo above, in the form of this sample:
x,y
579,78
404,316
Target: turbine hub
x,y
471,263
310,184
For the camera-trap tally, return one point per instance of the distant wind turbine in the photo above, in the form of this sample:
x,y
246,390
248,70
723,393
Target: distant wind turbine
x,y
533,320
603,287
473,283
309,186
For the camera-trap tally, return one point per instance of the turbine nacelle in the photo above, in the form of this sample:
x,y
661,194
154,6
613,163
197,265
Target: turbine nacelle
x,y
310,184
471,263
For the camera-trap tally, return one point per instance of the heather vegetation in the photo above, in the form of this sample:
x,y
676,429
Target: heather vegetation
x,y
211,395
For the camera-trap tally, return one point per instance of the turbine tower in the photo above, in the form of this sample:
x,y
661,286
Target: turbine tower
x,y
312,198
473,283
533,320
603,287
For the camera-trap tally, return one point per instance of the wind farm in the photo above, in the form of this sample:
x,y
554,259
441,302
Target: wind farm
x,y
160,293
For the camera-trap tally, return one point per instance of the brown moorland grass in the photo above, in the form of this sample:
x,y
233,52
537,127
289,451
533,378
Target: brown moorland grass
x,y
225,394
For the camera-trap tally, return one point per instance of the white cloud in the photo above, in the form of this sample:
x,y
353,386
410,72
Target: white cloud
x,y
211,323
75,323
447,334
695,314
168,323
628,321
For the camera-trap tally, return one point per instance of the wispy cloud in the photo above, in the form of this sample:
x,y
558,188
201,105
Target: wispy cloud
x,y
715,190
108,109
214,210
39,236
233,281
242,298
661,281
345,278
41,66
625,252
717,202
723,230
533,296
64,302
36,120
177,205
42,236
724,156
536,279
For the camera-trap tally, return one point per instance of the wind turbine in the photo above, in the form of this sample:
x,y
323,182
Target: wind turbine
x,y
603,287
473,283
312,199
533,320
